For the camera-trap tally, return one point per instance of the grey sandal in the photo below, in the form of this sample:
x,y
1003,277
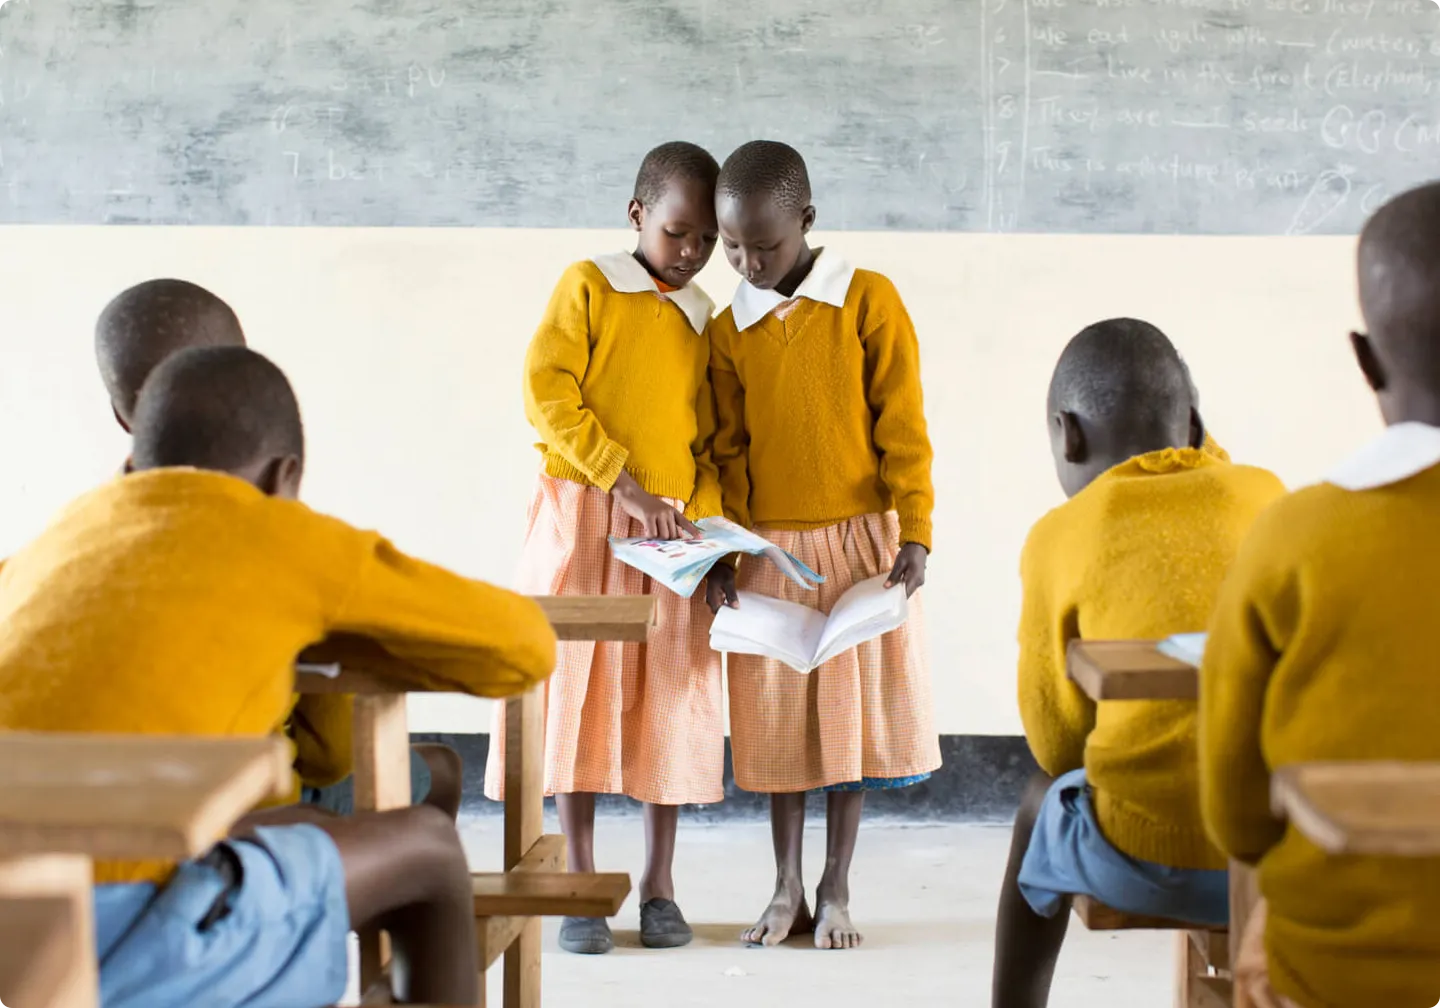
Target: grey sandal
x,y
663,926
586,935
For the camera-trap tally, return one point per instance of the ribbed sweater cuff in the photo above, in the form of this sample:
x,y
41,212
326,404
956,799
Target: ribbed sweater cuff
x,y
915,528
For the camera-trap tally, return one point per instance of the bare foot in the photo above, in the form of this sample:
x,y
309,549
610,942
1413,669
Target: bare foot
x,y
787,914
833,929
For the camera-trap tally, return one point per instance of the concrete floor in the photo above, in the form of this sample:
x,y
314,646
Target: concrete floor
x,y
923,896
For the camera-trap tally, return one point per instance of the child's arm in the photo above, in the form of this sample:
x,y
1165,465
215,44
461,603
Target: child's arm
x,y
467,636
1239,659
892,363
1057,716
321,725
555,364
731,447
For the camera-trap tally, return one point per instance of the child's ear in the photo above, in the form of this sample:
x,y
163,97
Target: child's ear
x,y
1368,361
281,477
807,219
1197,429
1072,438
636,213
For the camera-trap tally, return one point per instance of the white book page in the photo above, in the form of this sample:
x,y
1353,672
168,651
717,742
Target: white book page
x,y
1188,648
771,627
866,611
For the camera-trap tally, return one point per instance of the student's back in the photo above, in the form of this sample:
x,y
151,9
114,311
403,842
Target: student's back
x,y
175,599
1138,554
1154,518
1323,648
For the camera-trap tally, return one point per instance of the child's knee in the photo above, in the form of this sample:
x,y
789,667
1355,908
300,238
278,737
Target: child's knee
x,y
445,763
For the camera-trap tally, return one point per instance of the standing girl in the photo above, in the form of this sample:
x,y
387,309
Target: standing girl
x,y
822,447
616,387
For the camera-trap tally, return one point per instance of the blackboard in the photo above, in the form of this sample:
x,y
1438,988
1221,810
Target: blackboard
x,y
1091,116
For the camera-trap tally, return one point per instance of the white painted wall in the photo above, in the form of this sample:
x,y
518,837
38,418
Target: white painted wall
x,y
405,347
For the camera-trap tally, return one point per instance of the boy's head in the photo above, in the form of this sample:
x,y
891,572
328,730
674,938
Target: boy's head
x,y
226,409
149,322
1119,390
1400,299
763,208
674,210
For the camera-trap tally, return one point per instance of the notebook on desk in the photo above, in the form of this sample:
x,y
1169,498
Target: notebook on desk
x,y
1188,648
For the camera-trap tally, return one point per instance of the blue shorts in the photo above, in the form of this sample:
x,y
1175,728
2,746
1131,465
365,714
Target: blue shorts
x,y
340,797
1069,856
273,934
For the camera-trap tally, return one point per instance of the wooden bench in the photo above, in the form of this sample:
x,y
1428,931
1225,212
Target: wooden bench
x,y
66,800
508,906
1137,670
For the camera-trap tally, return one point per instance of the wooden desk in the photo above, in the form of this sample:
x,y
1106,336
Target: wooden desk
x,y
1377,808
35,950
1129,670
131,796
65,799
382,781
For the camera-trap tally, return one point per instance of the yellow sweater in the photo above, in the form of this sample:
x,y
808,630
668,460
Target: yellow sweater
x,y
1140,553
618,382
321,725
1322,647
820,416
175,601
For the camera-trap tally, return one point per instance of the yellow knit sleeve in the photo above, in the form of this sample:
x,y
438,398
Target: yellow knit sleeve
x,y
731,447
464,636
555,364
321,727
892,366
1234,676
1057,716
706,500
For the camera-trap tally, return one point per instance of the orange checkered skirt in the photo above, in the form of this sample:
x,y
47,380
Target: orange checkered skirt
x,y
866,715
644,720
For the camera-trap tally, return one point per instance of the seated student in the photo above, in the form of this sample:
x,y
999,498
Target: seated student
x,y
1321,648
137,330
174,601
1139,550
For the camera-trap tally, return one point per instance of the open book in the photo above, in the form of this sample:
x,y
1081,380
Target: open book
x,y
681,564
803,638
1188,648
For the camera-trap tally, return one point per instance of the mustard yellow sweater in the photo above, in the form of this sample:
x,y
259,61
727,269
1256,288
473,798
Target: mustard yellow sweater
x,y
1140,553
820,415
175,601
617,382
1323,647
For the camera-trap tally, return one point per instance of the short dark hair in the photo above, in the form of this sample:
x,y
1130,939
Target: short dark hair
x,y
770,168
149,322
1125,375
1399,273
670,161
219,408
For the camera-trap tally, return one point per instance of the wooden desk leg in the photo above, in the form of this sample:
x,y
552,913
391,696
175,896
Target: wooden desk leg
x,y
524,823
1244,894
71,877
382,781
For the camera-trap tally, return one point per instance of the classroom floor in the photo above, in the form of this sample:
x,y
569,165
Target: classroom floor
x,y
924,896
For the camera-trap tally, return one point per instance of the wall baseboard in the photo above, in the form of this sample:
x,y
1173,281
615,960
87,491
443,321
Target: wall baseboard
x,y
981,781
